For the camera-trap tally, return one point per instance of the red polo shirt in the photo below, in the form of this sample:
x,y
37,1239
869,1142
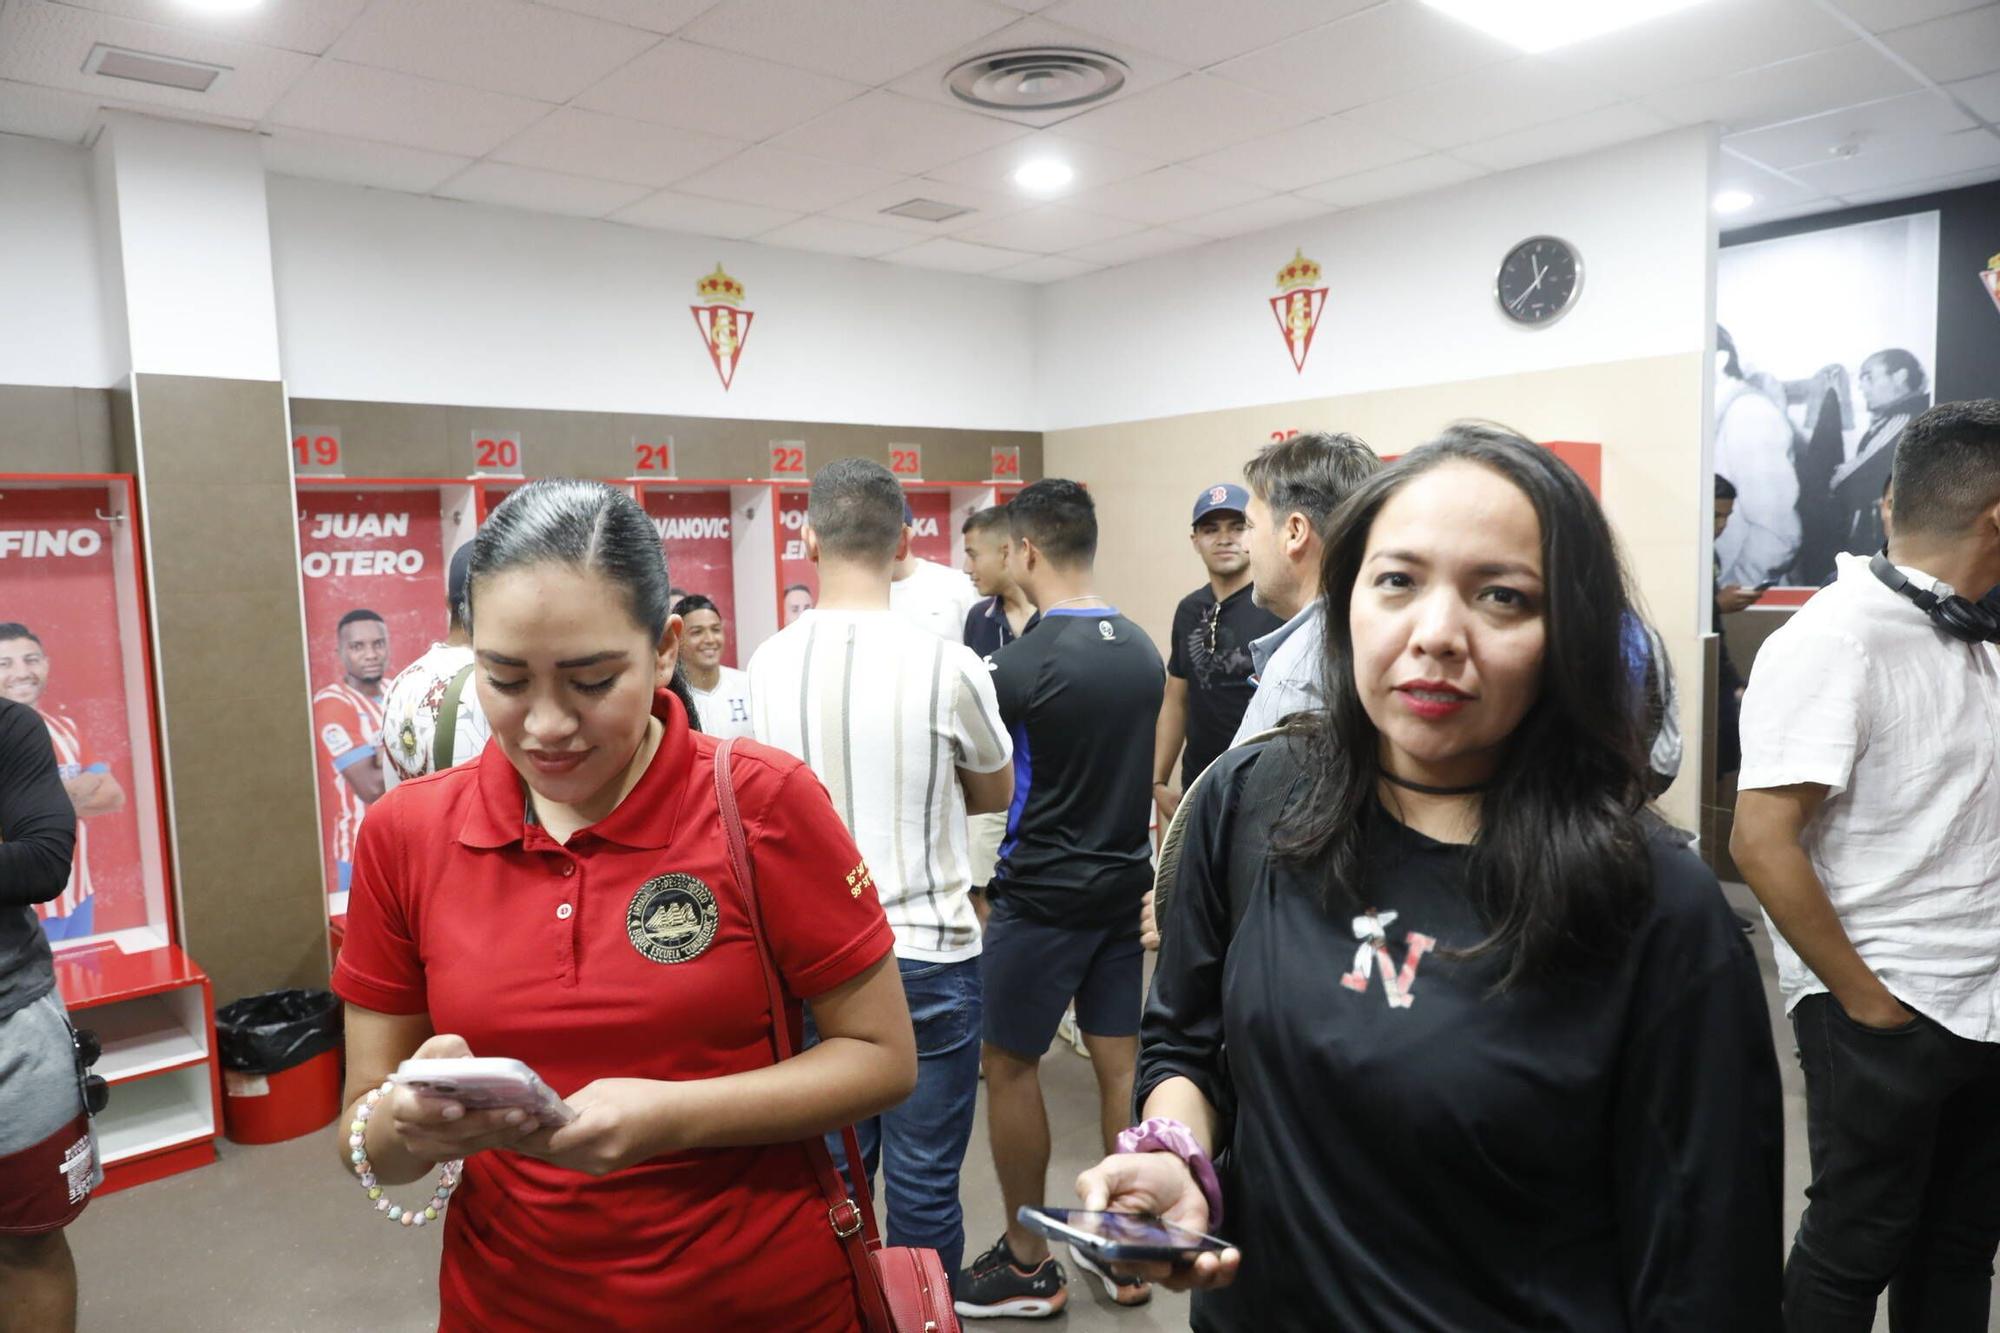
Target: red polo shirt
x,y
584,962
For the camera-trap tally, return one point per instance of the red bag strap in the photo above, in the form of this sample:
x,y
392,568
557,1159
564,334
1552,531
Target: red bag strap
x,y
853,1220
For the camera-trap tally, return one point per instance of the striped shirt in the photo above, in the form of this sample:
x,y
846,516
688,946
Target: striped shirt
x,y
884,711
69,764
349,726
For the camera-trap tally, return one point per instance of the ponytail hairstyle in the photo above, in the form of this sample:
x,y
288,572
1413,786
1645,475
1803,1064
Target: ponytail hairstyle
x,y
589,526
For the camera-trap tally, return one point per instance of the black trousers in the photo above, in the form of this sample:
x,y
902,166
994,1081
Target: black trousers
x,y
1903,1125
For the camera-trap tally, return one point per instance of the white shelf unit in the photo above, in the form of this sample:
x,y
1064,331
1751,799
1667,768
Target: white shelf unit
x,y
149,1035
151,1114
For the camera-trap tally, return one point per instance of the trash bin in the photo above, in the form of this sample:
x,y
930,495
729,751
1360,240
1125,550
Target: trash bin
x,y
280,1064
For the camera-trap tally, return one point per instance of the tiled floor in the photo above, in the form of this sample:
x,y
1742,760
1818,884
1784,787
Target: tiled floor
x,y
274,1239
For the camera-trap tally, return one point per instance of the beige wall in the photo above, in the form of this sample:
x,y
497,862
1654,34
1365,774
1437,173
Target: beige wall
x,y
1647,414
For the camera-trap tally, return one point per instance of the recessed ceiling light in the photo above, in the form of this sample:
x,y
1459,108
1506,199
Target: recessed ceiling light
x,y
220,6
1543,25
1733,201
1043,175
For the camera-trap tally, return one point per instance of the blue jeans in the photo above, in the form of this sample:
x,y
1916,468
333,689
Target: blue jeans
x,y
924,1140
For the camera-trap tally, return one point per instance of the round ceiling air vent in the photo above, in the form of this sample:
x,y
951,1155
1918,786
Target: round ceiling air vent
x,y
1037,78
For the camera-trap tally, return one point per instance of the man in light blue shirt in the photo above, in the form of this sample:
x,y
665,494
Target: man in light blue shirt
x,y
1295,486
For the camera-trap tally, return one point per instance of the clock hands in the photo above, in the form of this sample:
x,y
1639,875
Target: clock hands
x,y
1540,273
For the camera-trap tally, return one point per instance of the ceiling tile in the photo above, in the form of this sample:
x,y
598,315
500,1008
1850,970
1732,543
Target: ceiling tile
x,y
1276,211
671,211
1166,195
836,236
955,256
585,143
1886,15
48,44
897,133
1981,94
1049,268
1309,154
1379,53
523,187
1139,245
1392,182
540,191
1930,185
310,28
1486,103
985,205
777,179
1947,49
503,46
927,83
1047,229
352,162
1768,191
1195,114
652,15
388,107
1200,32
46,113
1094,164
1859,130
1705,41
1902,160
1565,138
717,92
1802,86
873,41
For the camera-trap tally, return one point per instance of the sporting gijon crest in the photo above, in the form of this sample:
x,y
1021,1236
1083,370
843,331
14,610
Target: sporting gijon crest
x,y
723,322
1298,306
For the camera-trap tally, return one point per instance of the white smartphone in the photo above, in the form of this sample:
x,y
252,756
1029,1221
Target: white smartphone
x,y
484,1083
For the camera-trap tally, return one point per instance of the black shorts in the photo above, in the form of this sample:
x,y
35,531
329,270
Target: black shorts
x,y
1029,971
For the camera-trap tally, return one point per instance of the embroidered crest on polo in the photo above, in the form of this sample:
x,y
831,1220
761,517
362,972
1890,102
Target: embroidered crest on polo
x,y
672,918
1104,628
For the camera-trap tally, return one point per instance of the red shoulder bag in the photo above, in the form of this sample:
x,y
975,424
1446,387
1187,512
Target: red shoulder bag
x,y
900,1289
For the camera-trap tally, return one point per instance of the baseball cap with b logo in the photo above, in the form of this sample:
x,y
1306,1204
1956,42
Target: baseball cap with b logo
x,y
1222,498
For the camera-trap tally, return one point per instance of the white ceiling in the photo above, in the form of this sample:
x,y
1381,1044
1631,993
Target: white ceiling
x,y
795,122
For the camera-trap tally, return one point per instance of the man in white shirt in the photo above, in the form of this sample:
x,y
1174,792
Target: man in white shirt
x,y
935,596
903,728
1868,825
416,697
1295,486
721,694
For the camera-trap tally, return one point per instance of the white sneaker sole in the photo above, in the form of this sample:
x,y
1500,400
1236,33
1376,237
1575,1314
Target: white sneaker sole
x,y
1027,1307
1111,1286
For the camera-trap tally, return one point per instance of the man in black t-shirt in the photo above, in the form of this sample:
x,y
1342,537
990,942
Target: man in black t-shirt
x,y
1209,671
1080,693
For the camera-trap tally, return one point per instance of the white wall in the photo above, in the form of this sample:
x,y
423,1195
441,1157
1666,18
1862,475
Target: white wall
x,y
396,298
1410,294
55,329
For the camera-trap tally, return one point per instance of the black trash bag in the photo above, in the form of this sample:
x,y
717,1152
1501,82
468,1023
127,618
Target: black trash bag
x,y
276,1031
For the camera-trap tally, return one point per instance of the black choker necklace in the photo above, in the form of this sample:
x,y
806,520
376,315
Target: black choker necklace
x,y
1429,790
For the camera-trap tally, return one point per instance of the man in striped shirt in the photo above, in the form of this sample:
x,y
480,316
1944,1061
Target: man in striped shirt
x,y
903,728
347,719
92,790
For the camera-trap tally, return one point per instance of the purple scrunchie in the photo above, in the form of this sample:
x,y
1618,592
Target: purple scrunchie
x,y
1161,1134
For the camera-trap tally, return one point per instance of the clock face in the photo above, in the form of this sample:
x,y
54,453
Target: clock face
x,y
1539,280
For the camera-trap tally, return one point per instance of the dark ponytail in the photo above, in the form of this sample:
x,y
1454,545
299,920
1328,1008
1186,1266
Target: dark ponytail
x,y
585,525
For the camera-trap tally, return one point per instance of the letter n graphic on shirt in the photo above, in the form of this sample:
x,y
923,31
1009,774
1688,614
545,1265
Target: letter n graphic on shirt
x,y
1371,931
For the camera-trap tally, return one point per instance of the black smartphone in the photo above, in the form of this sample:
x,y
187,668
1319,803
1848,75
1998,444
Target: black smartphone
x,y
1122,1238
1767,585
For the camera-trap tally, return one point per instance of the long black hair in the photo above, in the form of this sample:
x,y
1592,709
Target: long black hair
x,y
587,526
1560,870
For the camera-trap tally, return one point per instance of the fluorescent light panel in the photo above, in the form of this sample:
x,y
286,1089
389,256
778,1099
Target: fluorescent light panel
x,y
1043,175
1544,25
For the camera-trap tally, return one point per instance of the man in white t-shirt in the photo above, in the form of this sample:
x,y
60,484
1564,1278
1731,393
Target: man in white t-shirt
x,y
721,693
903,728
1869,828
935,596
416,697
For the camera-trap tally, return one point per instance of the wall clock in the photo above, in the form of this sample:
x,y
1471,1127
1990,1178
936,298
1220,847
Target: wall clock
x,y
1539,281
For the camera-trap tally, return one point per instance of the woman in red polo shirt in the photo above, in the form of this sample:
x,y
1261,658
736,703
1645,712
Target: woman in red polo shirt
x,y
502,908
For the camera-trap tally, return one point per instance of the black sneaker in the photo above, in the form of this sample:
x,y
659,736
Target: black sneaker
x,y
995,1286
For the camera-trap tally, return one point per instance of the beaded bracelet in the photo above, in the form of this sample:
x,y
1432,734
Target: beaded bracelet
x,y
357,1142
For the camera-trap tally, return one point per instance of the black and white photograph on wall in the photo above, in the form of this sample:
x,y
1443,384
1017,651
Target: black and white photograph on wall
x,y
1824,349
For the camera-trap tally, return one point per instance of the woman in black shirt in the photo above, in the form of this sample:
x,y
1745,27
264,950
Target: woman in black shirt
x,y
1477,1048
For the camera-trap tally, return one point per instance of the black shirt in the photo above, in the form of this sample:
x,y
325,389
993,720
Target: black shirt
x,y
37,836
1599,1154
1080,695
1218,677
987,630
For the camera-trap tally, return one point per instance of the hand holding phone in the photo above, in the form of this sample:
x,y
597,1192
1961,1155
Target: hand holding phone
x,y
484,1083
1122,1238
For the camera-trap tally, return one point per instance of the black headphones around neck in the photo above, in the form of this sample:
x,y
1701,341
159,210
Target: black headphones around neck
x,y
1966,621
